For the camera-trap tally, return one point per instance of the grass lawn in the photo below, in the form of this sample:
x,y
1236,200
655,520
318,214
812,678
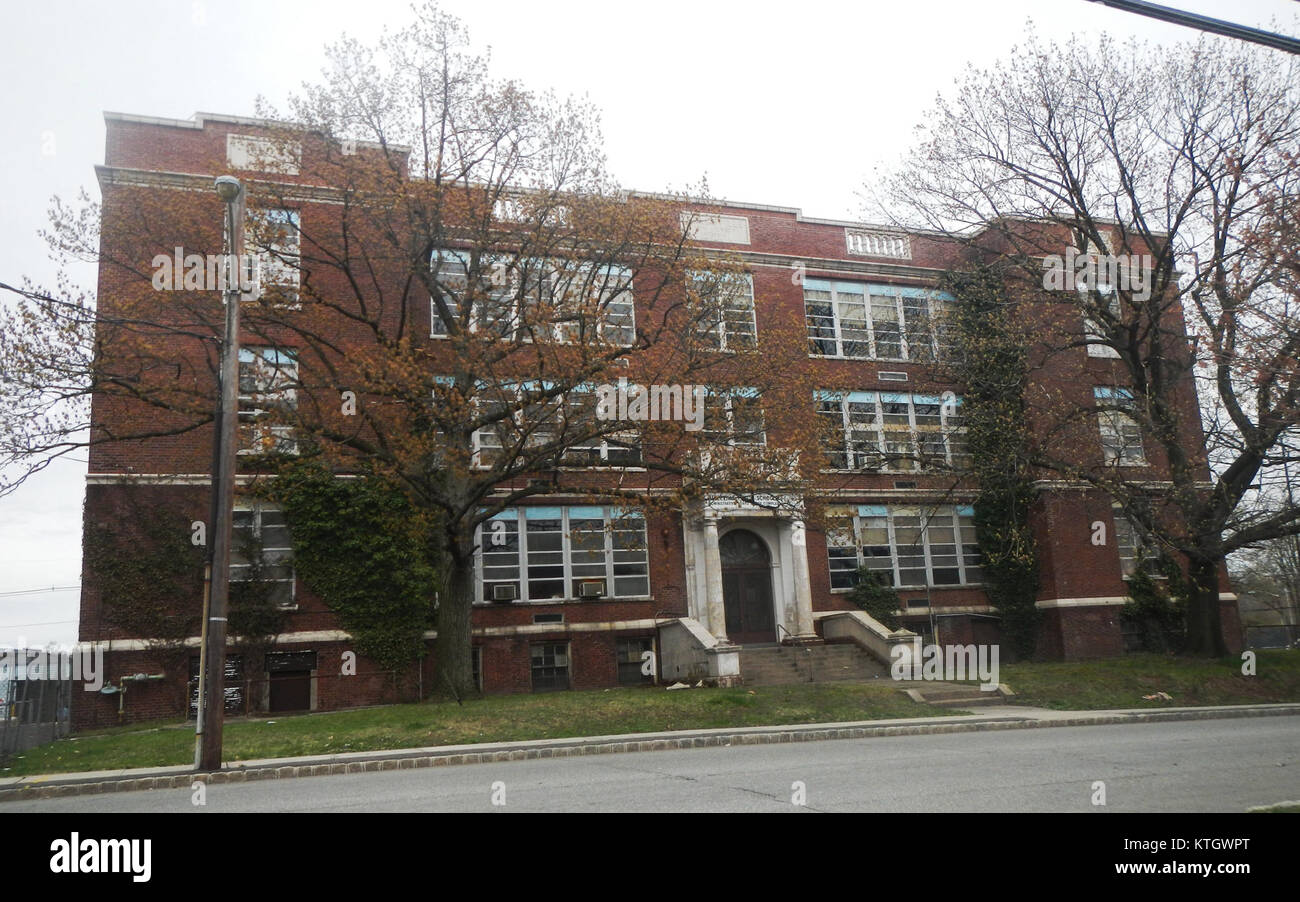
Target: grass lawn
x,y
491,719
1122,682
1078,685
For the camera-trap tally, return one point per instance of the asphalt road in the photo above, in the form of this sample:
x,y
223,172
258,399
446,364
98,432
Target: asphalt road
x,y
1191,766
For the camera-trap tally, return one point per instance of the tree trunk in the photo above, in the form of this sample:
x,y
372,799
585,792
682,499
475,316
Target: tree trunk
x,y
1204,625
454,668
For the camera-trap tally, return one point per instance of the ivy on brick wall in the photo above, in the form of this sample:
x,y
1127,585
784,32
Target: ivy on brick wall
x,y
1156,614
989,362
366,552
148,572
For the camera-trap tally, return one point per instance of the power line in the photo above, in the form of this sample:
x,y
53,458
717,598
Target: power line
x,y
38,591
1206,23
10,626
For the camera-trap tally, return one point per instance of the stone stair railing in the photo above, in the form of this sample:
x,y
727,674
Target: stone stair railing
x,y
869,634
688,653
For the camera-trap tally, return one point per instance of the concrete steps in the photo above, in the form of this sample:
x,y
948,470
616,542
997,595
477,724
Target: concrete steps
x,y
951,695
777,665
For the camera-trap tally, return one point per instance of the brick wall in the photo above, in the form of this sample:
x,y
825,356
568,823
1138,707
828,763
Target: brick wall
x,y
1072,566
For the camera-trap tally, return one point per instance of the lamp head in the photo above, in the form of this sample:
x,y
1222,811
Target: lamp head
x,y
228,187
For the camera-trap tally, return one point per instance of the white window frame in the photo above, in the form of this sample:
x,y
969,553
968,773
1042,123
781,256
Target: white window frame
x,y
281,391
951,431
728,398
258,509
281,262
960,518
1093,332
484,438
615,520
719,334
1113,424
604,443
616,320
612,288
898,295
1131,546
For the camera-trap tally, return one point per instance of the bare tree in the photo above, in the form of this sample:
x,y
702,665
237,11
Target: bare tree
x,y
1171,173
473,309
1269,575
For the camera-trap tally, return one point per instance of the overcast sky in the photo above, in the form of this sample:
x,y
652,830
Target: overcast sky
x,y
786,104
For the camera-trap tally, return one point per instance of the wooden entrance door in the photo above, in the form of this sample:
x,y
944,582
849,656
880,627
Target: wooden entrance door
x,y
747,587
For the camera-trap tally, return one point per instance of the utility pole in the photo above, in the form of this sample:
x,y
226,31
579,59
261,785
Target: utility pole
x,y
1206,23
212,695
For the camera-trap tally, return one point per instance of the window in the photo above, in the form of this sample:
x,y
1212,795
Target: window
x,y
1121,436
232,685
1134,550
903,546
551,300
261,553
868,243
449,273
884,322
896,432
617,449
629,654
1094,331
726,309
1107,247
562,554
567,421
734,417
268,397
275,237
592,302
550,666
476,666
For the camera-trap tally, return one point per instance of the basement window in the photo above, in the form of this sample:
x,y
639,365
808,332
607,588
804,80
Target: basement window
x,y
550,666
631,662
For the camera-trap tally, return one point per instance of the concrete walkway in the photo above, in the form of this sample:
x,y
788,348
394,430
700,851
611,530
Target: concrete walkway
x,y
993,717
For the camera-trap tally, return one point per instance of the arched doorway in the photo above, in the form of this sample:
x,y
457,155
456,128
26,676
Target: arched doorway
x,y
747,587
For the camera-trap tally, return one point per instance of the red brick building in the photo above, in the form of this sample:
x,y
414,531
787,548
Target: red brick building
x,y
690,585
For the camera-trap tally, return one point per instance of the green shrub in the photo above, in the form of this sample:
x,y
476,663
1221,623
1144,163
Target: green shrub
x,y
877,600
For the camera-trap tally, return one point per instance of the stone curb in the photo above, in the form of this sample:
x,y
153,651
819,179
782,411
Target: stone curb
x,y
51,787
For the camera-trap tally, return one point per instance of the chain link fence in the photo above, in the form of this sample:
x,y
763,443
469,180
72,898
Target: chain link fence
x,y
35,703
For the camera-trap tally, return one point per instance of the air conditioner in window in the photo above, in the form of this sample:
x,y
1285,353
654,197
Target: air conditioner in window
x,y
592,588
507,592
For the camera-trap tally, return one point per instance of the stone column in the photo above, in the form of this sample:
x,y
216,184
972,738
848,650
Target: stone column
x,y
803,619
695,608
713,580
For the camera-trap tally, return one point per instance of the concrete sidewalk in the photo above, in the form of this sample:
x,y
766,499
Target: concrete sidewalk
x,y
999,717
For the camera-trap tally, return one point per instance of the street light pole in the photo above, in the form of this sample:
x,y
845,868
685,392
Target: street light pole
x,y
212,696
